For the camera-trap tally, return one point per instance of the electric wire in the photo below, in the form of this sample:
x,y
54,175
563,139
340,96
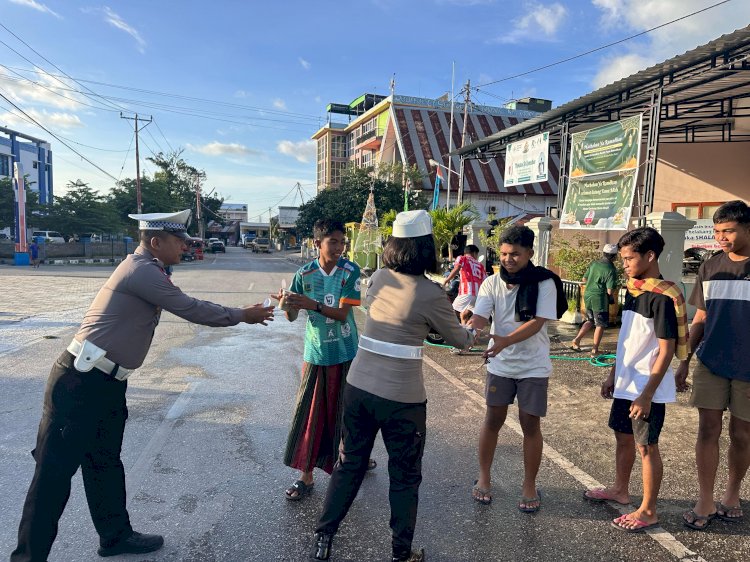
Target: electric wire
x,y
602,47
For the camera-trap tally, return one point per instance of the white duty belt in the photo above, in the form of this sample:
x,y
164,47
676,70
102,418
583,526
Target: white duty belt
x,y
89,356
390,349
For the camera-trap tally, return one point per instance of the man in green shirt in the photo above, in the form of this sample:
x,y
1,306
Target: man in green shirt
x,y
600,282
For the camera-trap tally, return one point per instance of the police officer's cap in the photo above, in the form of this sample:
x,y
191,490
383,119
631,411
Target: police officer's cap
x,y
174,223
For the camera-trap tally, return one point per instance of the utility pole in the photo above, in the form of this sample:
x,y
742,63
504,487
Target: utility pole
x,y
467,102
198,206
137,158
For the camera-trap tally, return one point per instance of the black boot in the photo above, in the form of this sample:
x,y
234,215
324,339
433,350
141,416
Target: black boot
x,y
414,556
137,543
322,546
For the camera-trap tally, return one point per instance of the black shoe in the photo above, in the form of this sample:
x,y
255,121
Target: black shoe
x,y
414,556
322,546
137,543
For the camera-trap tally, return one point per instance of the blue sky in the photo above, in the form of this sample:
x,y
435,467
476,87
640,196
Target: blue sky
x,y
242,85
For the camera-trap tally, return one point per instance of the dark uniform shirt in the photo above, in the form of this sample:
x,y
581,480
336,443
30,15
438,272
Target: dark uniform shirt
x,y
125,312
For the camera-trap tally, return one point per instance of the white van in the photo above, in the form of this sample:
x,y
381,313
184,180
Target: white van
x,y
51,236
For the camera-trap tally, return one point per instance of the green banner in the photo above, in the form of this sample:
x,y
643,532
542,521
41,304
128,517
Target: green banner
x,y
611,148
603,202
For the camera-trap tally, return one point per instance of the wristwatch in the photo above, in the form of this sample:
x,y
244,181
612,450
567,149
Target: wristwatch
x,y
318,306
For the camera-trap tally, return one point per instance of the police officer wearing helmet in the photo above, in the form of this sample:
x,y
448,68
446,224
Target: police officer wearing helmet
x,y
84,411
385,387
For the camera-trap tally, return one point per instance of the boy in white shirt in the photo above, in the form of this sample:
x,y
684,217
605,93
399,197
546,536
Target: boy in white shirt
x,y
641,381
520,300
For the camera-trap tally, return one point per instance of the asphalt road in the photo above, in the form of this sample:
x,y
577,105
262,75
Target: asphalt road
x,y
209,414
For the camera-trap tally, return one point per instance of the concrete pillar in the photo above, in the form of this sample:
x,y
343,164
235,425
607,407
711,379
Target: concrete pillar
x,y
672,227
542,227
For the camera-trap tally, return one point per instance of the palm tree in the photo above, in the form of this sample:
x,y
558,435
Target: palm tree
x,y
448,223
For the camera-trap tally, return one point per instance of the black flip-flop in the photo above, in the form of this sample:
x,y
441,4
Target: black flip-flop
x,y
697,517
538,498
720,507
484,497
298,490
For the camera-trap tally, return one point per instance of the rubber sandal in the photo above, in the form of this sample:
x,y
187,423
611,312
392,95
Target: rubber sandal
x,y
527,501
640,526
722,510
480,495
597,495
298,490
695,519
574,347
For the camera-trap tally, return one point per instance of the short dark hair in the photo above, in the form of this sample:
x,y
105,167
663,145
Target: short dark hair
x,y
471,249
518,236
642,240
326,227
414,256
733,211
146,235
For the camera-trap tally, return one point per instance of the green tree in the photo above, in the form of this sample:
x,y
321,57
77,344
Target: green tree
x,y
8,204
573,257
346,203
446,224
82,210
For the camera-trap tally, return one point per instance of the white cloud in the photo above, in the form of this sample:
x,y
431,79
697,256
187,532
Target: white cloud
x,y
37,6
242,94
616,68
540,22
115,20
53,120
303,151
305,64
45,91
632,16
278,103
221,149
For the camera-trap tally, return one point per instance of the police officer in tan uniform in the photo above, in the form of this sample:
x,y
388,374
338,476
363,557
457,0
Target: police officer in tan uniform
x,y
84,404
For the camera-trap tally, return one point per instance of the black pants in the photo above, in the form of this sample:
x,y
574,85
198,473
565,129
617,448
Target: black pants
x,y
403,427
83,420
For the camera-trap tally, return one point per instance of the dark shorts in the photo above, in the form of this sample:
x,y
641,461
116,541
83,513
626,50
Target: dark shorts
x,y
646,432
600,318
531,393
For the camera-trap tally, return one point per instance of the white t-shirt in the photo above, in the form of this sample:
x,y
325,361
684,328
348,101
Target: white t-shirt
x,y
526,359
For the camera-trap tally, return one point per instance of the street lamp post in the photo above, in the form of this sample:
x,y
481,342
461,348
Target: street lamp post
x,y
435,163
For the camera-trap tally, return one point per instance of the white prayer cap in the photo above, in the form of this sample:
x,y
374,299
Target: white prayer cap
x,y
610,249
410,224
174,223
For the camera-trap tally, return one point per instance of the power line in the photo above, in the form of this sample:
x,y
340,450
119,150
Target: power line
x,y
38,124
279,112
163,136
603,46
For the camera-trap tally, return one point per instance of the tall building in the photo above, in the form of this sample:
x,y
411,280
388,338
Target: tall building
x,y
413,131
34,155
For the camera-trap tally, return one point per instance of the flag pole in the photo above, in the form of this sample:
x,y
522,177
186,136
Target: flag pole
x,y
450,141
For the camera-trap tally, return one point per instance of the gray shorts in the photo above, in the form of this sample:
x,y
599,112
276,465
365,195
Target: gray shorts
x,y
531,393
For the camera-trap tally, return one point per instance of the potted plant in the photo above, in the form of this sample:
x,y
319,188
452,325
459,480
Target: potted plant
x,y
491,237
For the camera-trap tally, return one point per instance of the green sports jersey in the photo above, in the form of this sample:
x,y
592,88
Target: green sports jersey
x,y
327,341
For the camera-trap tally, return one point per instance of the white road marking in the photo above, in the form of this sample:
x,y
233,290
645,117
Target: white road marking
x,y
665,539
250,288
138,472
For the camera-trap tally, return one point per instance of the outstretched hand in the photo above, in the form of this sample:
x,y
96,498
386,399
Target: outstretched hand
x,y
258,314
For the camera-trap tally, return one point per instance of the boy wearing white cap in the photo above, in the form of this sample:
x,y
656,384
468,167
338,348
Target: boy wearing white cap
x,y
601,284
84,413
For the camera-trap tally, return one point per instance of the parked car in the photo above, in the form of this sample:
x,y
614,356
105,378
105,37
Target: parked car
x,y
50,236
217,246
194,249
262,245
249,242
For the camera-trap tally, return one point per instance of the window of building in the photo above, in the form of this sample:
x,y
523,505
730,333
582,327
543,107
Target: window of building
x,y
338,146
337,171
694,211
4,165
366,159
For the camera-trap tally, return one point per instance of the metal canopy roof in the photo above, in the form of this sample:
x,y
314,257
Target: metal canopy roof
x,y
705,98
